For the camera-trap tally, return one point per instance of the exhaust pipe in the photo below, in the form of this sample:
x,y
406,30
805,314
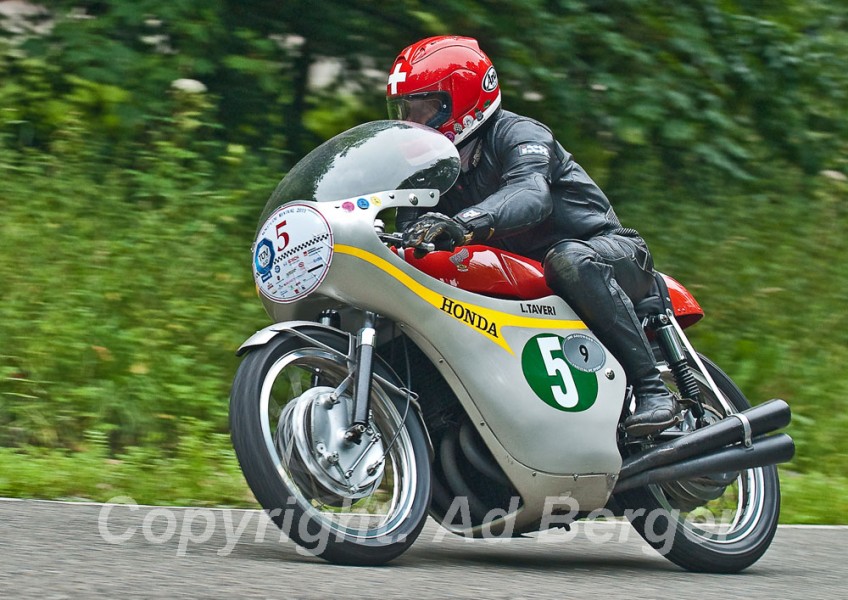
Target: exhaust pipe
x,y
739,427
767,450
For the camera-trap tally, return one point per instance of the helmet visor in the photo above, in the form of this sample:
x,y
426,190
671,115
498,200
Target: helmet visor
x,y
431,109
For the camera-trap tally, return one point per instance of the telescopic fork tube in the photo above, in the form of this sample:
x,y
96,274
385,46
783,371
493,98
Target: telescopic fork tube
x,y
365,342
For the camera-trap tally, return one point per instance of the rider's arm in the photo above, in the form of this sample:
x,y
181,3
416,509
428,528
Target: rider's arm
x,y
526,153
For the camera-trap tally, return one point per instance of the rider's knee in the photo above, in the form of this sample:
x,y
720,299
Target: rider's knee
x,y
567,264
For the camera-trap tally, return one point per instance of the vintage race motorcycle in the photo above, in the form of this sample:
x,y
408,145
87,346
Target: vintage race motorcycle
x,y
458,385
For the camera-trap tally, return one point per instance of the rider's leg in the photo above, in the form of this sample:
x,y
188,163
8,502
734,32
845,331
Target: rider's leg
x,y
599,278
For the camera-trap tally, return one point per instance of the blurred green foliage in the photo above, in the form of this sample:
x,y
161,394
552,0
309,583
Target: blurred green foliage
x,y
139,140
710,89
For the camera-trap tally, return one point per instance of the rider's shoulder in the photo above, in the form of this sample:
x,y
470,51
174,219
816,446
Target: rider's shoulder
x,y
509,124
514,137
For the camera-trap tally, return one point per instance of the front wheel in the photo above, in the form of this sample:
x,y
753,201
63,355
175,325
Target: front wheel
x,y
350,503
721,523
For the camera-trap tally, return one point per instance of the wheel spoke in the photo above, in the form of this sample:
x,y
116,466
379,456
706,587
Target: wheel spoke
x,y
319,472
706,509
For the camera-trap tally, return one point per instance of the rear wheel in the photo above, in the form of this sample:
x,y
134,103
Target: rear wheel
x,y
351,503
722,523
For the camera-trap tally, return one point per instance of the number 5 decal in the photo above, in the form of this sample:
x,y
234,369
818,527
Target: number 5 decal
x,y
551,376
565,393
282,235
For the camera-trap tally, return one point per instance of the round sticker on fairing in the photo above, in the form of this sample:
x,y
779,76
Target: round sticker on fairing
x,y
583,353
292,253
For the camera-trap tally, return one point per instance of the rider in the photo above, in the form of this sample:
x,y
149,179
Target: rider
x,y
521,191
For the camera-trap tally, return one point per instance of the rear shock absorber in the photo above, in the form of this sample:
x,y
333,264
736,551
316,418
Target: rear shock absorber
x,y
675,356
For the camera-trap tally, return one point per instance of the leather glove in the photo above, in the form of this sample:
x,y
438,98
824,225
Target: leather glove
x,y
437,229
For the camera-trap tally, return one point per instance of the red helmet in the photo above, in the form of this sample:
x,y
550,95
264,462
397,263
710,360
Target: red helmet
x,y
446,83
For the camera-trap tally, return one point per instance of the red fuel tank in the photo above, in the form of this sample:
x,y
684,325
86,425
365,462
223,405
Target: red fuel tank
x,y
484,270
495,272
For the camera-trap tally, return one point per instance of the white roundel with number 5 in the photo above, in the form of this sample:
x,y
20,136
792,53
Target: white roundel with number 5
x,y
292,253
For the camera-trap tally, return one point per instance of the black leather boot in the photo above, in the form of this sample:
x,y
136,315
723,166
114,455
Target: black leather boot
x,y
597,278
656,407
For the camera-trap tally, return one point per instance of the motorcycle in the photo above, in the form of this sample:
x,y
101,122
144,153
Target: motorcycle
x,y
392,386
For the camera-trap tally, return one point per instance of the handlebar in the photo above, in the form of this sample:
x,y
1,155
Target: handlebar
x,y
396,240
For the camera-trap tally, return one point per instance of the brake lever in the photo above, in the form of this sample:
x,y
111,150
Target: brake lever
x,y
392,239
396,240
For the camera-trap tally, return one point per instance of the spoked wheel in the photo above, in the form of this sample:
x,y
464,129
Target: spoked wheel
x,y
720,523
349,502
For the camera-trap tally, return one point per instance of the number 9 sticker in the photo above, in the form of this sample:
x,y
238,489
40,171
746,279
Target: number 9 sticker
x,y
548,368
583,353
292,253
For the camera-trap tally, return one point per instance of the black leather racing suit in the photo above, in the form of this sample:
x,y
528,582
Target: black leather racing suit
x,y
524,188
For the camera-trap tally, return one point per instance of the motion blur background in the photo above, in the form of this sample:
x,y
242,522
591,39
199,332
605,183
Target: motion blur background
x,y
139,140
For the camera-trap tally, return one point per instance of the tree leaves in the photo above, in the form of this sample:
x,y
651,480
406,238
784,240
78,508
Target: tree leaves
x,y
712,80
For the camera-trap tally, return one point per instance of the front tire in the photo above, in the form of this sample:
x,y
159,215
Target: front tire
x,y
354,504
710,524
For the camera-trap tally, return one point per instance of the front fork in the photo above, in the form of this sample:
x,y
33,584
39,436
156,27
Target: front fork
x,y
366,339
363,369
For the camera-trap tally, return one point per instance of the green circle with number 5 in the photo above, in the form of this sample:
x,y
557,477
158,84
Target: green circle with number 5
x,y
553,379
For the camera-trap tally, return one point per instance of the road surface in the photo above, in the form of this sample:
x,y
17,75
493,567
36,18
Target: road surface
x,y
53,551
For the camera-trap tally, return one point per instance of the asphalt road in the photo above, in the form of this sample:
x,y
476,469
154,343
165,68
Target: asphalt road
x,y
53,551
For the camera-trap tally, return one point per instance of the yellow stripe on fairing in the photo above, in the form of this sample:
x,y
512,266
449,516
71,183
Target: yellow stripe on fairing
x,y
496,317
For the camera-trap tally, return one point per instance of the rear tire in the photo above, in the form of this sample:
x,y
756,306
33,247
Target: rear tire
x,y
703,526
283,453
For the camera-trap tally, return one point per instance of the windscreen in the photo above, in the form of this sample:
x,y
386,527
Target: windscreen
x,y
372,157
